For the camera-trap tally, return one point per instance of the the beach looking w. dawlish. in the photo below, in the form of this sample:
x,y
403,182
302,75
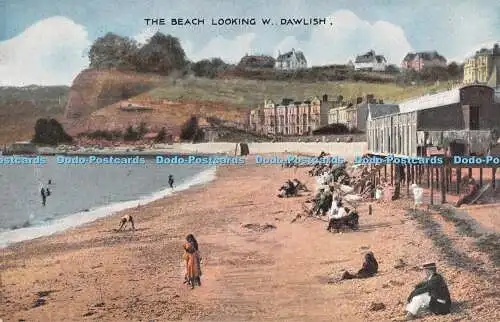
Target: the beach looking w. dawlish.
x,y
268,161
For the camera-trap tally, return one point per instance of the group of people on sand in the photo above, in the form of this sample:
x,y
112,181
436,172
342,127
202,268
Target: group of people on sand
x,y
291,188
339,216
429,296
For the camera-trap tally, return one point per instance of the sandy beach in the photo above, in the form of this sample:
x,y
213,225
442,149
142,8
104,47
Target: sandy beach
x,y
286,273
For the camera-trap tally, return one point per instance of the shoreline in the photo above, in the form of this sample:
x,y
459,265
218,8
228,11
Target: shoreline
x,y
335,148
9,237
92,273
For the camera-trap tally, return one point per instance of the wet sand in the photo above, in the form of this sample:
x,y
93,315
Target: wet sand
x,y
95,274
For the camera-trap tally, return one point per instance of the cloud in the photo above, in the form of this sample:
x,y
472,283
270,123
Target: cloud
x,y
229,50
468,27
145,35
348,36
51,52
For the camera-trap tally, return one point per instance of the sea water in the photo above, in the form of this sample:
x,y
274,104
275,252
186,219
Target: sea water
x,y
82,193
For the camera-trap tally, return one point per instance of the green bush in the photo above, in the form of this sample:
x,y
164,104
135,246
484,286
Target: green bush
x,y
50,132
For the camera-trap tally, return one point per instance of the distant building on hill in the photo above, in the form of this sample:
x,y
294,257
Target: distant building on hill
x,y
290,117
370,62
291,60
417,61
256,61
483,67
353,114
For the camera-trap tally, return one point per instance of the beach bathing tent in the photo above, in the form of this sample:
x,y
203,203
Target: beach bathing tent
x,y
242,148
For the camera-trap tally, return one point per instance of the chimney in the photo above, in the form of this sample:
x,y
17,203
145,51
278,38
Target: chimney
x,y
369,98
325,98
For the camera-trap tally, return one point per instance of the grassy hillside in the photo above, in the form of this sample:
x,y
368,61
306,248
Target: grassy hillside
x,y
20,107
174,101
243,93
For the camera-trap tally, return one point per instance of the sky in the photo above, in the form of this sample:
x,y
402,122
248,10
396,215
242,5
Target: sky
x,y
46,42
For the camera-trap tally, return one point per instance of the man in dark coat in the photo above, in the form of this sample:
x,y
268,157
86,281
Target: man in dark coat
x,y
431,294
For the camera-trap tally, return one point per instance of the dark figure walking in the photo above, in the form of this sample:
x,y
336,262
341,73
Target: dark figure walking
x,y
171,181
44,196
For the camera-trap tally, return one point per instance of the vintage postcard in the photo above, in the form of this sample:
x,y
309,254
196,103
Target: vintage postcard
x,y
231,160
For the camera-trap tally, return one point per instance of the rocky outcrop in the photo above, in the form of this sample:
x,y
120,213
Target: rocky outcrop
x,y
93,89
111,100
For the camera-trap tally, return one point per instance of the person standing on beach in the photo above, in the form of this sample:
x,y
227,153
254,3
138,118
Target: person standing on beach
x,y
193,260
44,196
171,181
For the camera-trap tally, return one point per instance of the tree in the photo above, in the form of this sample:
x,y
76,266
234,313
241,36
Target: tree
x,y
113,51
142,129
50,132
190,130
392,69
209,67
454,70
162,54
434,73
131,134
161,136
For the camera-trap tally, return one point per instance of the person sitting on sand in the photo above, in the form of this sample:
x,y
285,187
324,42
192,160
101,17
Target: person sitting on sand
x,y
316,199
369,268
193,260
299,186
324,202
431,294
284,190
470,191
287,190
125,220
336,212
